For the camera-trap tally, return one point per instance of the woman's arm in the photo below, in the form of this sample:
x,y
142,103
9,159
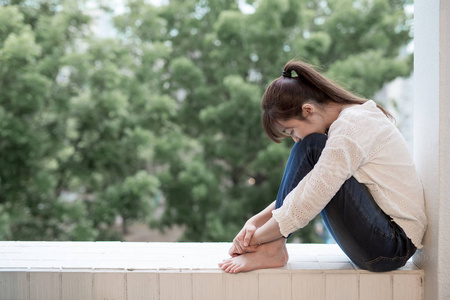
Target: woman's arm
x,y
267,233
261,218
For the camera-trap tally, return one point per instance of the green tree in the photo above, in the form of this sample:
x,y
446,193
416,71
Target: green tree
x,y
30,47
220,167
76,127
93,129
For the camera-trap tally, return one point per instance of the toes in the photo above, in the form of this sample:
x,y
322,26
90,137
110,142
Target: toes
x,y
236,269
224,262
231,265
230,268
225,266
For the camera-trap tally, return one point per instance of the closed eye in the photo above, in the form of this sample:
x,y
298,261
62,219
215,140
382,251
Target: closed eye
x,y
287,133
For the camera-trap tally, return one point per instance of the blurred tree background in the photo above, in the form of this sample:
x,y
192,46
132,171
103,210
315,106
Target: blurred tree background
x,y
166,112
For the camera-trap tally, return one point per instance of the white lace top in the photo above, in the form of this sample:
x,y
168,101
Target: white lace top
x,y
365,144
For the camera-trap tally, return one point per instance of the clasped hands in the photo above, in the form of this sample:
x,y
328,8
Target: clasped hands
x,y
242,241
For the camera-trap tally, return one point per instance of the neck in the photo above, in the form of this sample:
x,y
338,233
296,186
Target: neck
x,y
332,111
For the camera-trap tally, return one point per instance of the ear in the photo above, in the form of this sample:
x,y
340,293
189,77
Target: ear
x,y
308,109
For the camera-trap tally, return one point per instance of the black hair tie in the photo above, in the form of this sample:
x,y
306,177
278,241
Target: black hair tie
x,y
287,74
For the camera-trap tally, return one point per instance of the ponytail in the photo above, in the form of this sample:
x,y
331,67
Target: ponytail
x,y
300,83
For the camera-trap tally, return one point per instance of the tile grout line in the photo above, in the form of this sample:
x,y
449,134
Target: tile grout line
x,y
29,285
159,285
125,283
258,284
92,284
290,279
422,283
192,285
224,288
392,286
60,283
359,284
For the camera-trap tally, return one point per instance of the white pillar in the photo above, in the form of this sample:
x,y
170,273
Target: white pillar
x,y
432,138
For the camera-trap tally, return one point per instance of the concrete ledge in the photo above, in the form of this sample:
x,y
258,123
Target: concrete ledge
x,y
116,270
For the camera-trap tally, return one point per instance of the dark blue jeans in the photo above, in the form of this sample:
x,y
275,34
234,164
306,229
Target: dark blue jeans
x,y
364,232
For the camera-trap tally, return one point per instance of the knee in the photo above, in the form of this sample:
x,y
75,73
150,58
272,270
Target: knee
x,y
315,139
314,142
311,146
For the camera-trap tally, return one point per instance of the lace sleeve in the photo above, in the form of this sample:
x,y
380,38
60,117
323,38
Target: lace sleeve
x,y
340,159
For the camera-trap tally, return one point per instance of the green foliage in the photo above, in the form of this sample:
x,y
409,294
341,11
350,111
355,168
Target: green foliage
x,y
221,61
92,129
74,122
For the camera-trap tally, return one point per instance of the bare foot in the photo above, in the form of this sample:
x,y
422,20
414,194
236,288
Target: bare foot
x,y
233,251
270,255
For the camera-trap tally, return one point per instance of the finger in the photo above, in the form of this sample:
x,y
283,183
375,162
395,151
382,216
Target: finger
x,y
248,236
241,233
232,250
238,248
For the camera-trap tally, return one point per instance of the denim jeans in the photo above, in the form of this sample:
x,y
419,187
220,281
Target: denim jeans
x,y
369,237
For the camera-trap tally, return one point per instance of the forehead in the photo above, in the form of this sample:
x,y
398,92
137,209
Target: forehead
x,y
288,123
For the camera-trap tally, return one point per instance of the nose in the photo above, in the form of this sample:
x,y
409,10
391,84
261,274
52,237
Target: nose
x,y
296,139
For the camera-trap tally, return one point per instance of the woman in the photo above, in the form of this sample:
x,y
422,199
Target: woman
x,y
349,163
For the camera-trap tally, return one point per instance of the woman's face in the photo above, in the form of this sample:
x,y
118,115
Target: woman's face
x,y
299,129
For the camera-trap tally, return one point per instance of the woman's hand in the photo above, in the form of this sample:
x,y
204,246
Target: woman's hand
x,y
241,243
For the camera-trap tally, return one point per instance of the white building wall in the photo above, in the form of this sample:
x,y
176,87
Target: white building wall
x,y
398,98
432,138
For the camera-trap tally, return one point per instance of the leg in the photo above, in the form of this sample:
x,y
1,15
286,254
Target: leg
x,y
272,255
304,155
364,232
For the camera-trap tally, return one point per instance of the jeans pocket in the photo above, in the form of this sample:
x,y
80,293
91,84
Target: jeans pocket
x,y
386,264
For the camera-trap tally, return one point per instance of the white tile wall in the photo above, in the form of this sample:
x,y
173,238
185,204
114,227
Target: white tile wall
x,y
275,285
407,287
14,285
142,286
178,271
175,285
339,286
241,286
306,285
109,285
208,285
45,285
375,286
76,285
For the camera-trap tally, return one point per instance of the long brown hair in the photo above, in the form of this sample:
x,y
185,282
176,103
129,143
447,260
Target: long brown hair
x,y
285,96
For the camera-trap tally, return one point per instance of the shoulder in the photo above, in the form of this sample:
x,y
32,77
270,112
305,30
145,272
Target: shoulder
x,y
364,125
362,118
369,108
